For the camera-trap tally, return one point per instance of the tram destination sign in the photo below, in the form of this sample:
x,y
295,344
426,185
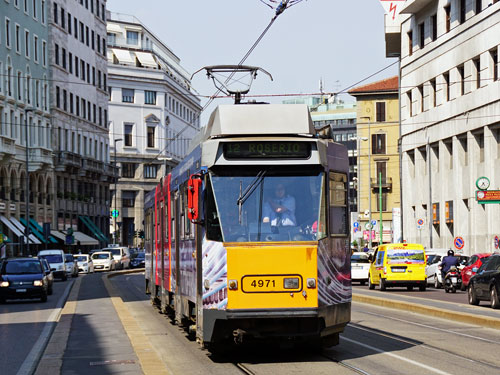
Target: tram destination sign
x,y
267,149
488,196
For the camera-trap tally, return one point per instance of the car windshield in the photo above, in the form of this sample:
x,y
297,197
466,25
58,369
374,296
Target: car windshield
x,y
52,258
22,267
359,259
140,255
259,204
100,256
81,258
115,251
404,255
68,257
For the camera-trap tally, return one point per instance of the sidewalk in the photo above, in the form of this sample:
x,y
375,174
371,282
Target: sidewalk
x,y
90,337
482,315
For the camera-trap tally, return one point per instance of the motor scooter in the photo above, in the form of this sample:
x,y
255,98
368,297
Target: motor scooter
x,y
452,280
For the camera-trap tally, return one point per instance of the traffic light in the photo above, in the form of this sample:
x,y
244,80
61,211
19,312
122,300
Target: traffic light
x,y
141,234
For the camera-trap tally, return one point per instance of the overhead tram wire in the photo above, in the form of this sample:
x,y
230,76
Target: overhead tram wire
x,y
279,10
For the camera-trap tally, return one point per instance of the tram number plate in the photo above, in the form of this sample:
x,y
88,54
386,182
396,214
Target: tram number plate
x,y
268,284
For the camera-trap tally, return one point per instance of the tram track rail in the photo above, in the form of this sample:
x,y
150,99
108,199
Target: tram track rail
x,y
346,365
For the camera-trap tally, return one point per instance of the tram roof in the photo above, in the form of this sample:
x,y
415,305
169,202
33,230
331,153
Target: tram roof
x,y
259,119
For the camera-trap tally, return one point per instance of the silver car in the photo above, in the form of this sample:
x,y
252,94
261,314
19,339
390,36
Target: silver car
x,y
71,265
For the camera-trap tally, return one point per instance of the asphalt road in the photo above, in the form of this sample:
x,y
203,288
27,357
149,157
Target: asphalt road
x,y
377,341
24,327
431,293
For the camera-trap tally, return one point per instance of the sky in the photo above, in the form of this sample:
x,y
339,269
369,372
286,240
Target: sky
x,y
338,42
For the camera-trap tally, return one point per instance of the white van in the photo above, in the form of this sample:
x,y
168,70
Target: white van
x,y
121,254
56,261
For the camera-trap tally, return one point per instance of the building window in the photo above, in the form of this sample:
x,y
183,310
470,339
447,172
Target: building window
x,y
421,34
128,132
410,43
151,136
18,41
380,108
35,48
478,6
55,13
150,97
433,91
434,24
132,37
447,15
477,67
378,144
494,63
27,43
69,24
462,11
421,94
128,198
128,170
446,78
7,32
480,144
127,95
58,100
461,79
42,12
150,170
63,19
112,39
410,103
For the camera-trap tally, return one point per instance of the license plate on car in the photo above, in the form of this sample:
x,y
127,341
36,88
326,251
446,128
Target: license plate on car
x,y
453,279
98,267
356,267
398,270
21,290
269,284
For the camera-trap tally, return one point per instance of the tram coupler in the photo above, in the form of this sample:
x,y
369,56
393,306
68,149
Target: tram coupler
x,y
238,335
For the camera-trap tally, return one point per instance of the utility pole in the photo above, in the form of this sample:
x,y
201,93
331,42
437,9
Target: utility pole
x,y
381,236
115,217
370,181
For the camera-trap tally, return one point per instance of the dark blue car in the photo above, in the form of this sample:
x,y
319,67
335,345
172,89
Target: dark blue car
x,y
485,284
22,278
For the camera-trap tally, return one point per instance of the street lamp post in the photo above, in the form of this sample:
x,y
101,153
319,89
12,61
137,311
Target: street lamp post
x,y
27,194
359,139
116,191
370,181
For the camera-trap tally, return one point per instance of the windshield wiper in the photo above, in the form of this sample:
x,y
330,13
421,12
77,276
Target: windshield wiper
x,y
249,190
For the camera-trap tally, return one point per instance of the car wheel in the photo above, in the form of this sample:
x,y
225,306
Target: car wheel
x,y
381,284
495,302
472,296
422,288
437,284
453,289
370,285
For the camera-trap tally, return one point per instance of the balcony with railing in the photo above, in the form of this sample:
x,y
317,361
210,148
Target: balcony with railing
x,y
39,158
386,183
7,147
66,159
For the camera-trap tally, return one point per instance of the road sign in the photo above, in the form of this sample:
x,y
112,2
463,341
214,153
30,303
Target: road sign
x,y
355,224
420,222
374,223
459,243
115,213
368,226
497,242
69,240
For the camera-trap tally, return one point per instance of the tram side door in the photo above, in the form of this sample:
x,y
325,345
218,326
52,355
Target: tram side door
x,y
177,227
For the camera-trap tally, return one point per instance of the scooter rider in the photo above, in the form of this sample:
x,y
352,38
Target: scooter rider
x,y
448,261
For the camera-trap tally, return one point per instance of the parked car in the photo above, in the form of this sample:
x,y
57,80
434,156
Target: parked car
x,y
85,263
121,255
57,262
104,261
475,261
23,278
139,260
485,284
71,265
432,271
49,274
360,267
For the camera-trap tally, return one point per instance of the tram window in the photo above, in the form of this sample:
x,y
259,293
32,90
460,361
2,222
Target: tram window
x,y
186,222
181,214
211,216
338,203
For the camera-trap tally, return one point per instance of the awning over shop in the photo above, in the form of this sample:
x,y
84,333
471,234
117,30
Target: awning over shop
x,y
40,229
123,56
84,239
114,28
59,235
93,228
18,230
146,59
20,226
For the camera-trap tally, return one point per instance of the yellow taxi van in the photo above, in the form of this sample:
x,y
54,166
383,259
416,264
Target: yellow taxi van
x,y
398,264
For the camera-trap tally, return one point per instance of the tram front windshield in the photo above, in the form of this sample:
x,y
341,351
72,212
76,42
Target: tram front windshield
x,y
263,204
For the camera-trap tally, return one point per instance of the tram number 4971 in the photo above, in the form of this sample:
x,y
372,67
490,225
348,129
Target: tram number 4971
x,y
261,283
271,283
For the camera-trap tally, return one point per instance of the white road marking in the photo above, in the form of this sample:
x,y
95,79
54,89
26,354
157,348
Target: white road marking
x,y
432,327
29,365
428,368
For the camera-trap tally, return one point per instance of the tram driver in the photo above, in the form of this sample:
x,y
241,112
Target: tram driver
x,y
280,210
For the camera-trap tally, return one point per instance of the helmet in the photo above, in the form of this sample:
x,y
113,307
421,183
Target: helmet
x,y
451,253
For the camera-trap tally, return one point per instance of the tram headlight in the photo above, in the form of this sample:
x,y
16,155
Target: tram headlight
x,y
311,283
291,283
232,284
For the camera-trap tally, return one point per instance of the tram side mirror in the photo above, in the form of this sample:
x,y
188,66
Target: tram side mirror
x,y
193,193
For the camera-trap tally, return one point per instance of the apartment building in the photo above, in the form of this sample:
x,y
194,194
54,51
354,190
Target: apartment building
x,y
26,167
79,108
154,114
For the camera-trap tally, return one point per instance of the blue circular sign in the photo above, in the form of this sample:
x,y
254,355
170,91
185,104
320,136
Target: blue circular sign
x,y
355,224
459,243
